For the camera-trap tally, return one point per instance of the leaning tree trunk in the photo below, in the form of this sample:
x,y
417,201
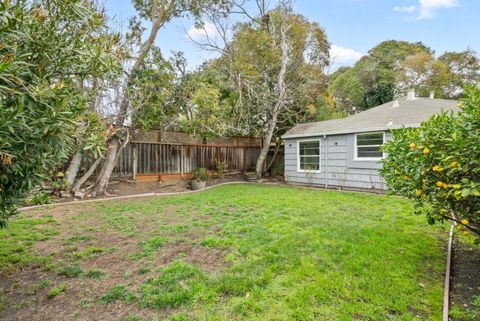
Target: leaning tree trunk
x,y
74,166
103,178
78,185
267,138
161,12
280,100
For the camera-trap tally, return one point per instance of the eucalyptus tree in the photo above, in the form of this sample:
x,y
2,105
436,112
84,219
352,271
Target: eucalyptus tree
x,y
49,49
271,58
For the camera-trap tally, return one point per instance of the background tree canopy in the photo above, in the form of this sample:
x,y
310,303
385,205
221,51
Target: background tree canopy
x,y
392,67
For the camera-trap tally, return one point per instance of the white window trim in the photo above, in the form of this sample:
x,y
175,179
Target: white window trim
x,y
366,159
319,156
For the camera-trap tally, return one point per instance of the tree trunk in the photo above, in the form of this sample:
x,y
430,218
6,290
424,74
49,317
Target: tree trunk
x,y
86,176
74,167
102,180
280,100
160,14
275,153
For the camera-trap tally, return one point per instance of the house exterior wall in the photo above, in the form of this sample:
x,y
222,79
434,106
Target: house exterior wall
x,y
339,169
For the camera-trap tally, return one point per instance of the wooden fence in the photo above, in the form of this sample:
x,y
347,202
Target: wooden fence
x,y
142,160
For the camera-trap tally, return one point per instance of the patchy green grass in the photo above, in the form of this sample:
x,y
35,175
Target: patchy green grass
x,y
95,274
253,252
17,240
57,291
149,248
38,286
78,238
71,271
118,292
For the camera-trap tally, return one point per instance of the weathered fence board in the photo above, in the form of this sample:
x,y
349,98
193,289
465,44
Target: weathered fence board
x,y
140,159
160,158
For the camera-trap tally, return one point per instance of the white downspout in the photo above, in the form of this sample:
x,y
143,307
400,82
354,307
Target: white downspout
x,y
326,161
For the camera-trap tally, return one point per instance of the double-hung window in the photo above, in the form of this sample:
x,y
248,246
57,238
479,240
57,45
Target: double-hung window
x,y
309,155
367,146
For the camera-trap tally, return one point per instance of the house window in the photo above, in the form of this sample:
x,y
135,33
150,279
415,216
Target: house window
x,y
309,155
367,146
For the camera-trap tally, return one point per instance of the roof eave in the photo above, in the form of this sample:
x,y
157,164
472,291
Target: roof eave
x,y
349,131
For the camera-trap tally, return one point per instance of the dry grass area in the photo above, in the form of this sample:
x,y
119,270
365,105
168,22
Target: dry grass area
x,y
240,252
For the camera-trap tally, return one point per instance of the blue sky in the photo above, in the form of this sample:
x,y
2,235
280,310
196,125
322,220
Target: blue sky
x,y
352,26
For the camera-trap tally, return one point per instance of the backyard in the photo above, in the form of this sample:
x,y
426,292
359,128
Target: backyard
x,y
236,252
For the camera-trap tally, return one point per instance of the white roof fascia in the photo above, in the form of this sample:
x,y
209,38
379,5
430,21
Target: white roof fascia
x,y
351,131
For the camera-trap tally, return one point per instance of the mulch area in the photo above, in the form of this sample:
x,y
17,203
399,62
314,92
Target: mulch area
x,y
118,188
465,277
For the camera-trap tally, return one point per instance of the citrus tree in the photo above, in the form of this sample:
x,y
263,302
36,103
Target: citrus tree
x,y
438,164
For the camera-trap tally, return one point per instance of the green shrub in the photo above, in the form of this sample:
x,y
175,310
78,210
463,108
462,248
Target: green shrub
x,y
438,164
200,174
221,168
41,103
39,198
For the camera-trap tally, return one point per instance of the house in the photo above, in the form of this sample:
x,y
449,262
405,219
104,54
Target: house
x,y
345,153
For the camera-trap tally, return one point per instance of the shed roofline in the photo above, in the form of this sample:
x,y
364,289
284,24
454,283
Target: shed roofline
x,y
350,131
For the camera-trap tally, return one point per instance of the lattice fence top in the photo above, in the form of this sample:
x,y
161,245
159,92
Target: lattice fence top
x,y
158,136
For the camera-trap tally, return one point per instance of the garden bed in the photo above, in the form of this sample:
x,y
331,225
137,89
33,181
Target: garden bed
x,y
465,282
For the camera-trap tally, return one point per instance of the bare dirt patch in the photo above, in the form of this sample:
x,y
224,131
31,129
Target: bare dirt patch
x,y
91,244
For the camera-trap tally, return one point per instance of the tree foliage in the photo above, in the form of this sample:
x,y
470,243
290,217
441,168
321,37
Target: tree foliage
x,y
48,49
391,68
371,82
438,164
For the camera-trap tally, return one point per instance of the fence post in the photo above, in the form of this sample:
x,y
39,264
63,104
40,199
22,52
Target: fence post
x,y
181,161
134,165
245,160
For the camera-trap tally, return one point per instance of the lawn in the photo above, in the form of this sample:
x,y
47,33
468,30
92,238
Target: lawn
x,y
237,252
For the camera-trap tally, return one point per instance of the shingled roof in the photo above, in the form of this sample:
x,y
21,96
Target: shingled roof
x,y
407,113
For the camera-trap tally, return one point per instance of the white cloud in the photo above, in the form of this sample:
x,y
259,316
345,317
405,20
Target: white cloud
x,y
409,9
426,8
207,30
343,56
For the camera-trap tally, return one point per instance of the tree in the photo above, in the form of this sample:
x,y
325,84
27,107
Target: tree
x,y
158,13
423,73
48,49
270,60
371,82
463,69
438,164
349,91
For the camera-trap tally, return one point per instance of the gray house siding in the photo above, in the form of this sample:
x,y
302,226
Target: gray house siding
x,y
339,169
